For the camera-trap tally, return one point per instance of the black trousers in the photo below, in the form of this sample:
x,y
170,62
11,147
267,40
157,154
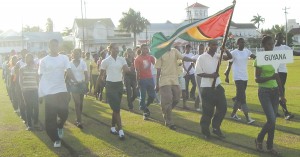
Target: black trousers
x,y
189,78
214,107
56,105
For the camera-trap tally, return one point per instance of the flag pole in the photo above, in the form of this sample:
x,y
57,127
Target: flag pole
x,y
223,44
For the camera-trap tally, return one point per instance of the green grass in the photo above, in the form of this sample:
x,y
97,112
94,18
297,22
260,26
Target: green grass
x,y
151,138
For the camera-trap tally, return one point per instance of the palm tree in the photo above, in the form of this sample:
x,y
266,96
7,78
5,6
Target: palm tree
x,y
257,20
133,22
49,25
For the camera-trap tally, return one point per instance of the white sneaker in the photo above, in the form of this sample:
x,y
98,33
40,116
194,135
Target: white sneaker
x,y
250,121
198,109
235,117
60,132
57,144
121,135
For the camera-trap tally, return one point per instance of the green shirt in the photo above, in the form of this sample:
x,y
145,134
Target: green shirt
x,y
267,71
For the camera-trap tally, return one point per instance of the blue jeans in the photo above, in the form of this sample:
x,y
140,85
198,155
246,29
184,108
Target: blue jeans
x,y
269,100
146,85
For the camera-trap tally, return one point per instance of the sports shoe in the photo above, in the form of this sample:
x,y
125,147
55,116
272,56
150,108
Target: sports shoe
x,y
235,117
29,128
173,127
288,116
250,120
147,112
145,117
79,125
60,132
259,146
121,135
113,131
273,152
218,133
198,109
57,144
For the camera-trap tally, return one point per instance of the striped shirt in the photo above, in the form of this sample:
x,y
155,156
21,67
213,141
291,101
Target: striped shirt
x,y
28,78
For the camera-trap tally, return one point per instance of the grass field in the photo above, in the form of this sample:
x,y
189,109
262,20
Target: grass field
x,y
151,138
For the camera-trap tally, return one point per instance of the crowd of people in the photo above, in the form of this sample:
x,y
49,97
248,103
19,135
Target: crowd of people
x,y
54,78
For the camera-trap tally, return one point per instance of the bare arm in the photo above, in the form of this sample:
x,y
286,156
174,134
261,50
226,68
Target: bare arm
x,y
227,56
71,76
213,75
157,79
259,79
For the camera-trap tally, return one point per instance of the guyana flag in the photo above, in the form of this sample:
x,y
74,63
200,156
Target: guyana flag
x,y
201,30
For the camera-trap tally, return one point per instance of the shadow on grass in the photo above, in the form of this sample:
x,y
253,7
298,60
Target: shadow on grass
x,y
133,145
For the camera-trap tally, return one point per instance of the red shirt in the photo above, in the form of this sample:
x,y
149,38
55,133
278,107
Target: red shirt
x,y
143,64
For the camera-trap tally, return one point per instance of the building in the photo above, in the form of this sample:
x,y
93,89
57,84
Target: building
x,y
93,35
194,12
32,41
296,36
292,24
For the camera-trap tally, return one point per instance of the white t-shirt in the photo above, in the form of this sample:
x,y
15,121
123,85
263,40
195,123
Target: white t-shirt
x,y
187,64
282,67
239,65
113,68
207,64
78,71
52,71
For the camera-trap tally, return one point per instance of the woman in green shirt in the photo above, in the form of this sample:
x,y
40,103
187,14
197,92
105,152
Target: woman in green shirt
x,y
269,92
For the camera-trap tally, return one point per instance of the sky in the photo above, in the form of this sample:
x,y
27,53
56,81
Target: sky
x,y
15,13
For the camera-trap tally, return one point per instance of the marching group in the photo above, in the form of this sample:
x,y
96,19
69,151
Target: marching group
x,y
55,77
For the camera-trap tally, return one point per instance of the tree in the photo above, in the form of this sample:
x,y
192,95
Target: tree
x,y
49,25
67,31
257,20
133,22
32,29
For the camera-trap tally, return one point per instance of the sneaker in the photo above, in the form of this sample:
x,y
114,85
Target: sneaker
x,y
235,117
29,128
259,146
79,125
198,109
57,144
121,135
250,121
173,127
147,112
113,131
218,133
145,117
288,116
273,152
60,132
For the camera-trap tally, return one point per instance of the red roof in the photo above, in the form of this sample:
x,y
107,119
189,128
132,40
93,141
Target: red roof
x,y
197,5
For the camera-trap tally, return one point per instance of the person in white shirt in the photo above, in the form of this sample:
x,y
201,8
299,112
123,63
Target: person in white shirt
x,y
80,72
239,62
189,73
198,100
282,71
212,97
53,88
114,66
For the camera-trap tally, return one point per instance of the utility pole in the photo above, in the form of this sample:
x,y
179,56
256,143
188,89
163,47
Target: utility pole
x,y
82,27
286,37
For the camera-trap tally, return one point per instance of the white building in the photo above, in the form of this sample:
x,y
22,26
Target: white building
x,y
95,34
292,24
296,36
32,41
196,11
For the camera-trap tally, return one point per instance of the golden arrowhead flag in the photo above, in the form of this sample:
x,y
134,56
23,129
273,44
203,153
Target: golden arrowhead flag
x,y
201,30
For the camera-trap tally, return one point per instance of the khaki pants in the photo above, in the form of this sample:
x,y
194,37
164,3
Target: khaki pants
x,y
170,96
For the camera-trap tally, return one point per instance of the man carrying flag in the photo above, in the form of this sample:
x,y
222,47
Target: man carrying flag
x,y
211,97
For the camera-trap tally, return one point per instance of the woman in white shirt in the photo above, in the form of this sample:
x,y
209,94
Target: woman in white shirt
x,y
79,70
